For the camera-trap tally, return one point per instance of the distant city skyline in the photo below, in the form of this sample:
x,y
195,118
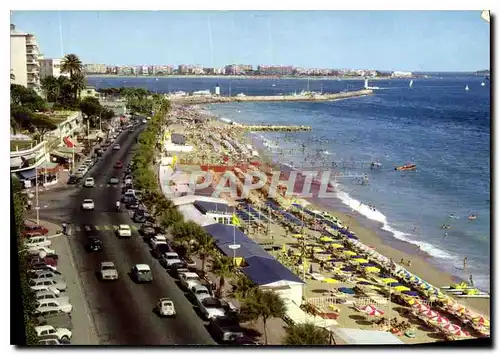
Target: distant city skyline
x,y
381,40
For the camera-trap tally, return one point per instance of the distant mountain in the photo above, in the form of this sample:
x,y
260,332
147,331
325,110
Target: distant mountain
x,y
483,72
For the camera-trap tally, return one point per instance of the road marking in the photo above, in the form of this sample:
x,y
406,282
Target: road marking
x,y
106,228
115,228
133,227
96,228
78,229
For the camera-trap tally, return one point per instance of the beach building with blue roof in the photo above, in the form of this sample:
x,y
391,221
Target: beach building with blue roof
x,y
257,264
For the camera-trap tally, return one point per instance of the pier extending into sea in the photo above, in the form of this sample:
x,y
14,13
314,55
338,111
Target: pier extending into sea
x,y
192,100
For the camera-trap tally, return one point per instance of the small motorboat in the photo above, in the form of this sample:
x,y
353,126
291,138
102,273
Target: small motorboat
x,y
471,217
406,167
375,165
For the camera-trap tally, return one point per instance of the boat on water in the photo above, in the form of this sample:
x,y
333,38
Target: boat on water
x,y
483,84
466,87
406,167
471,217
411,84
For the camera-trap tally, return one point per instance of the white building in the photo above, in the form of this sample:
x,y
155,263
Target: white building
x,y
24,64
145,70
402,74
51,67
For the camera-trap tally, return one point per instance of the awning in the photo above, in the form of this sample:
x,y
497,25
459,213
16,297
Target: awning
x,y
27,174
49,167
70,150
61,155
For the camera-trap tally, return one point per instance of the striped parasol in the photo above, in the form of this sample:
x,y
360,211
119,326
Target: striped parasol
x,y
375,313
461,333
368,308
450,327
440,320
420,307
429,313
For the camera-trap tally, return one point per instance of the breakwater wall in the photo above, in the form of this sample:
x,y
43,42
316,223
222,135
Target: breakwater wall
x,y
192,100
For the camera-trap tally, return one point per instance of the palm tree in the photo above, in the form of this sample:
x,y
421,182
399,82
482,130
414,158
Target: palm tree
x,y
204,247
71,64
170,217
222,267
78,83
264,305
306,334
51,88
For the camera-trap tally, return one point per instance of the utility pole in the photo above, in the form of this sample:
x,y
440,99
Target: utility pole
x,y
37,207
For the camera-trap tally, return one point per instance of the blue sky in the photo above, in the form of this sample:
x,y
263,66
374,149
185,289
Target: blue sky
x,y
386,40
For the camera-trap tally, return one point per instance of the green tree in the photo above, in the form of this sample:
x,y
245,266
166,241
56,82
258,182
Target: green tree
x,y
71,64
51,88
170,217
223,267
19,95
306,334
204,247
242,287
264,305
78,83
43,125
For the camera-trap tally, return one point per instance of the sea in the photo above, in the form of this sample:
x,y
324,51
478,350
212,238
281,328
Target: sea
x,y
436,124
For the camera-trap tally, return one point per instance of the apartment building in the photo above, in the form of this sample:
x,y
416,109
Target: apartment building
x,y
95,68
51,67
24,59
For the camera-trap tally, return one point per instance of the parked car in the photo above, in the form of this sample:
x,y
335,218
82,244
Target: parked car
x,y
33,230
93,244
88,204
189,279
55,318
161,249
43,274
165,307
41,266
128,179
43,331
142,273
147,229
62,305
89,182
50,260
124,231
44,284
200,292
50,295
53,341
210,307
107,271
157,239
99,152
73,180
127,187
139,217
176,269
116,146
35,250
113,180
37,242
133,204
225,329
170,258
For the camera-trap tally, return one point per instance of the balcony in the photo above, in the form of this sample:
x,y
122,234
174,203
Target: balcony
x,y
33,69
32,61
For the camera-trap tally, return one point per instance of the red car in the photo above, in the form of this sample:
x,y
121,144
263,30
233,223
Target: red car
x,y
48,260
118,165
31,229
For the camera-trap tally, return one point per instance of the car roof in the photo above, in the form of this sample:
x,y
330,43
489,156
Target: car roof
x,y
88,200
89,178
164,299
107,263
142,267
124,226
200,287
43,327
171,253
160,236
190,274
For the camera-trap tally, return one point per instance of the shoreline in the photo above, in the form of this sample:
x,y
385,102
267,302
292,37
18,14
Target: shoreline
x,y
371,233
243,77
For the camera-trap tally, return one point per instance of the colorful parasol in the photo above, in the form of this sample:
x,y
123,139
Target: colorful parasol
x,y
440,320
429,313
375,313
420,307
450,327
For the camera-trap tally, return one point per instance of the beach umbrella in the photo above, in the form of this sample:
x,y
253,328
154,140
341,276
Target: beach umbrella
x,y
450,327
461,333
348,252
440,320
375,313
360,260
298,236
326,239
481,320
429,313
368,308
329,280
336,246
411,293
420,307
389,280
347,290
372,269
401,288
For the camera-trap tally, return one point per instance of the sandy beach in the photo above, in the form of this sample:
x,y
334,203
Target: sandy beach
x,y
208,137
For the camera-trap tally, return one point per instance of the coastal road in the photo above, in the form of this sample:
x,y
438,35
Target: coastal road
x,y
123,310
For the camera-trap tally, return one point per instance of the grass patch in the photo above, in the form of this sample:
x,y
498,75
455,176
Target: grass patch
x,y
20,144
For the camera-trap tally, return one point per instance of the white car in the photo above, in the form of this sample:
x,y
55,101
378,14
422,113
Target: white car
x,y
124,231
53,305
189,279
89,182
170,258
40,275
144,120
88,204
51,284
200,292
38,250
43,331
165,307
210,307
37,241
158,239
50,295
116,147
107,271
127,180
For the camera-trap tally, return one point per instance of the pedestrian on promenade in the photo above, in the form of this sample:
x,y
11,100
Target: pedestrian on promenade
x,y
465,263
64,228
29,205
471,281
